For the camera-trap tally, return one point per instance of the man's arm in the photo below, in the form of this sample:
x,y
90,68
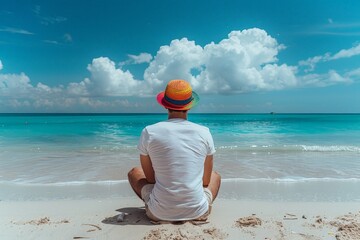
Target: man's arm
x,y
208,167
146,165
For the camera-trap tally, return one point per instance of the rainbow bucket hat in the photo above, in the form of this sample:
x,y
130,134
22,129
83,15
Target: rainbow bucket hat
x,y
178,95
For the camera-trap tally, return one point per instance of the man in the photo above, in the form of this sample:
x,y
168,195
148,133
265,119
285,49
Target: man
x,y
175,179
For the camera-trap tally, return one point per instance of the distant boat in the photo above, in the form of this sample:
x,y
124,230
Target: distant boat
x,y
272,113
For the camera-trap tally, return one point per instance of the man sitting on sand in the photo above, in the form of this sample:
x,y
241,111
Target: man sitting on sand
x,y
175,179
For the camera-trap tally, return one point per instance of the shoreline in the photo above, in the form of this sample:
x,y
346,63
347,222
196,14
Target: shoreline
x,y
323,190
230,219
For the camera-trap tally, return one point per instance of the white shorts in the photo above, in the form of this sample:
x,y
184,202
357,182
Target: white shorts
x,y
145,195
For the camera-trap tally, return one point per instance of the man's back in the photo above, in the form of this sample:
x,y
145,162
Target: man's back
x,y
176,180
177,149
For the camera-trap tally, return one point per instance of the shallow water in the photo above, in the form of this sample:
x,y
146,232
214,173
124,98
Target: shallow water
x,y
87,149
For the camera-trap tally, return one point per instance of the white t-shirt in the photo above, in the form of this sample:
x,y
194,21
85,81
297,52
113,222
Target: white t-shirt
x,y
177,149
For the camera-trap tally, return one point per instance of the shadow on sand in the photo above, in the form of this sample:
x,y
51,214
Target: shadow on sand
x,y
131,216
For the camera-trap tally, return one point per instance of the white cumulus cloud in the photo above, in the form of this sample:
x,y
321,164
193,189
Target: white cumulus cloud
x,y
15,85
243,62
174,61
105,80
240,63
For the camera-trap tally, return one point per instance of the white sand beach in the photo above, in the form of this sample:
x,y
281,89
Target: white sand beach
x,y
230,219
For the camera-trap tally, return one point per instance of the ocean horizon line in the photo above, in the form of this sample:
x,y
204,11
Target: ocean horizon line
x,y
165,113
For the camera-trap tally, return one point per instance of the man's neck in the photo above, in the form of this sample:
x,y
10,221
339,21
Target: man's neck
x,y
177,114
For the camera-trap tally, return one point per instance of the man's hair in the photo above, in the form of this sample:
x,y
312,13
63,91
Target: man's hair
x,y
172,110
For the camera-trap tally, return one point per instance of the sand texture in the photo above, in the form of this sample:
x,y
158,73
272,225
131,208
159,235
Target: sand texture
x,y
124,218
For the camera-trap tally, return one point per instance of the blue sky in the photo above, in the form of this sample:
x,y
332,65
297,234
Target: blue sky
x,y
240,56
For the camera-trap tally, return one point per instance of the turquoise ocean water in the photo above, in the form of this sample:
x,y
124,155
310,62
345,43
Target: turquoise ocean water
x,y
68,150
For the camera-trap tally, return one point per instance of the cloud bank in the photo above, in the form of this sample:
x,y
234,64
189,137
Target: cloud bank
x,y
245,61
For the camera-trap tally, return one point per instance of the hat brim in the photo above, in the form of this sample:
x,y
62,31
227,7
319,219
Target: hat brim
x,y
193,103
